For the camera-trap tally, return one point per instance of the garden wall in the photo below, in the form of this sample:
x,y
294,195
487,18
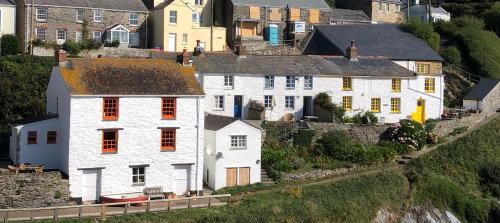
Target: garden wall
x,y
32,190
108,52
366,135
445,127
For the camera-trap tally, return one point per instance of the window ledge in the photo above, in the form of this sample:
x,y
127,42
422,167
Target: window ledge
x,y
218,109
110,120
115,152
346,89
268,88
168,119
308,88
395,113
289,88
228,88
138,184
238,148
168,150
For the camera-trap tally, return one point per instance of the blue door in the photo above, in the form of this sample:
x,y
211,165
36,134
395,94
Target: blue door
x,y
238,106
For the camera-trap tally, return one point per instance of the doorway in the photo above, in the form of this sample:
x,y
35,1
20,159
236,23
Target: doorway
x,y
91,185
419,114
182,176
308,106
238,106
172,40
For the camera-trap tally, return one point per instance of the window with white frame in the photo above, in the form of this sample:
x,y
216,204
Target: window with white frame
x,y
173,17
61,34
219,102
308,82
97,36
41,33
228,81
80,15
196,17
269,84
138,175
238,142
97,16
42,14
133,19
120,34
289,102
184,38
268,101
78,36
290,82
198,2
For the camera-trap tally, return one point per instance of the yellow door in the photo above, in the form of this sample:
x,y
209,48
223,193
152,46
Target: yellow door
x,y
248,29
231,174
244,176
419,114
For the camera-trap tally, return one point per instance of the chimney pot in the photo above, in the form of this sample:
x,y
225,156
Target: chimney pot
x,y
352,51
60,57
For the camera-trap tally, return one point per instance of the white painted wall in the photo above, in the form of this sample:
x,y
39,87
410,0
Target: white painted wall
x,y
220,141
7,19
364,88
472,104
138,143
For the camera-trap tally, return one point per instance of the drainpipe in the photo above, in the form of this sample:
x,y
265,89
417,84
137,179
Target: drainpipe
x,y
147,33
212,25
197,143
31,26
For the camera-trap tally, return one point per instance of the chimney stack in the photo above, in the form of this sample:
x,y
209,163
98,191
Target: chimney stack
x,y
240,50
185,57
60,57
198,50
352,51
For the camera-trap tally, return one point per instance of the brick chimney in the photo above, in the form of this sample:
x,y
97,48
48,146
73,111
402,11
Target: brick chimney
x,y
185,57
240,50
198,50
352,51
60,57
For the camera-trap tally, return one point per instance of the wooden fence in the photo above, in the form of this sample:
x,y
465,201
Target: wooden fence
x,y
104,210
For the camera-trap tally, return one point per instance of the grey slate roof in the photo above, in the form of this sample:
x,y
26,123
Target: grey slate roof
x,y
125,5
260,65
372,40
283,3
371,67
348,15
216,122
7,2
35,119
228,63
482,89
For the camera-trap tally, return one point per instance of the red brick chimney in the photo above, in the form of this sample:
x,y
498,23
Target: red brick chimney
x,y
352,51
185,57
60,57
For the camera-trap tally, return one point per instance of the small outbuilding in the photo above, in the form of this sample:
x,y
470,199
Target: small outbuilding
x,y
485,96
232,154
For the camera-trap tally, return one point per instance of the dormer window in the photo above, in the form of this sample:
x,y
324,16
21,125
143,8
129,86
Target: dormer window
x,y
110,109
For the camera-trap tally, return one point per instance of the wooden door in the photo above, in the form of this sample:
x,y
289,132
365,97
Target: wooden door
x,y
248,29
172,42
181,179
231,179
244,176
91,185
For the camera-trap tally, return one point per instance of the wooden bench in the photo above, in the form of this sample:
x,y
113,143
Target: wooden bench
x,y
154,192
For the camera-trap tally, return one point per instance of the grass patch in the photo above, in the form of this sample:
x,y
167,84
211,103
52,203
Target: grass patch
x,y
448,178
353,200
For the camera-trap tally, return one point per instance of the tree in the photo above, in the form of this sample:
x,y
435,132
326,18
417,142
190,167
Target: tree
x,y
492,18
452,56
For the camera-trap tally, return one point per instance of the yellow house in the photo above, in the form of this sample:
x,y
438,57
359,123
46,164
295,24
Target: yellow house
x,y
7,17
178,24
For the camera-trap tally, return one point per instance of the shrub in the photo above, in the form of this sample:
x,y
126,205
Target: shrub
x,y
459,130
9,45
469,21
409,133
333,142
400,149
90,44
323,101
492,18
304,138
115,43
424,31
483,50
282,166
445,28
452,56
72,48
490,179
297,162
363,118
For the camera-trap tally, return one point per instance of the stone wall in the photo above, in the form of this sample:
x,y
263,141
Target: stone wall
x,y
394,15
32,190
366,135
107,52
445,127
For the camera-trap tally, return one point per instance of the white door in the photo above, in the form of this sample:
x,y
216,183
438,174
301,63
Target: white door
x,y
171,42
181,179
91,185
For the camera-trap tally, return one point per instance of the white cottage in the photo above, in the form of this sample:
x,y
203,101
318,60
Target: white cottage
x,y
117,126
285,86
232,152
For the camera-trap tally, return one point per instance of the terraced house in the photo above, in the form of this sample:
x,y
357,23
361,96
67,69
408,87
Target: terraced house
x,y
57,21
113,137
7,17
380,11
249,22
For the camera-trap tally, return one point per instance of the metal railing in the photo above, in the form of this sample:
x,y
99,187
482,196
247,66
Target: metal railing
x,y
104,210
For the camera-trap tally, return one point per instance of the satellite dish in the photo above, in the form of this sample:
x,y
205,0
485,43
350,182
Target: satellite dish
x,y
219,155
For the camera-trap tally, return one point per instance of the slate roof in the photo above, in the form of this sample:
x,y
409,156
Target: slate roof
x,y
216,122
129,77
292,3
35,119
371,67
229,63
7,2
372,40
391,1
422,9
348,15
260,65
124,5
482,89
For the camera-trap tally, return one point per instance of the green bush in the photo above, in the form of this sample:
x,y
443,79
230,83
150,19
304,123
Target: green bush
x,y
445,28
483,49
323,101
408,132
469,21
72,48
459,130
90,44
452,56
362,118
424,31
400,149
297,162
304,138
333,143
492,18
115,43
490,179
9,45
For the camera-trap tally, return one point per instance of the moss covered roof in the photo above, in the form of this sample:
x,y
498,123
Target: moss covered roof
x,y
108,76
